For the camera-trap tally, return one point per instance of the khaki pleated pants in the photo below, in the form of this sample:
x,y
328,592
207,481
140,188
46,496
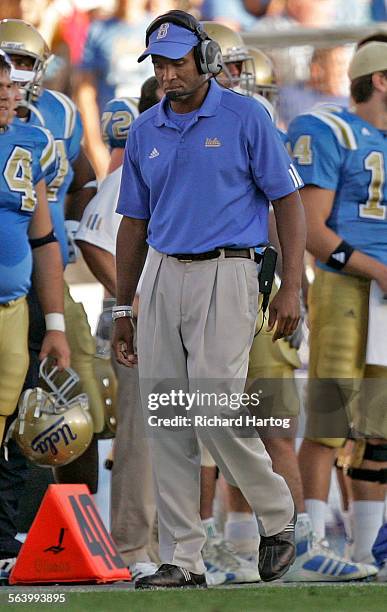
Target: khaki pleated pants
x,y
195,329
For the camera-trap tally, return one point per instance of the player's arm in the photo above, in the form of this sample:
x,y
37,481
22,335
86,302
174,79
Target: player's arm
x,y
116,159
83,187
48,277
323,241
86,99
290,223
101,263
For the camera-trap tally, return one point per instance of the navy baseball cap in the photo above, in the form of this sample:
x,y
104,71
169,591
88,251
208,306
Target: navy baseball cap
x,y
170,40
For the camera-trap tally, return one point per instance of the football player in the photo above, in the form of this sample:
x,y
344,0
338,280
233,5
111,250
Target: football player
x,y
26,239
342,158
71,188
75,177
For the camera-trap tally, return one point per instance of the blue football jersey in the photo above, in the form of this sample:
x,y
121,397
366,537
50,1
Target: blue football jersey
x,y
56,112
116,120
27,154
337,150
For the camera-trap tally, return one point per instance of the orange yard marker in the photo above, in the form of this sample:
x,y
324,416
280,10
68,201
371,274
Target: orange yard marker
x,y
68,542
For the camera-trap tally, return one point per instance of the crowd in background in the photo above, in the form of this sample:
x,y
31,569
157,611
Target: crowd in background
x,y
96,44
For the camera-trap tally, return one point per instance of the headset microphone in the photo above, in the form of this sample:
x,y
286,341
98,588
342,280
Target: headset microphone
x,y
175,95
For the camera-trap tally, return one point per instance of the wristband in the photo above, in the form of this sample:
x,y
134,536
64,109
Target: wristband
x,y
35,243
55,321
119,312
339,257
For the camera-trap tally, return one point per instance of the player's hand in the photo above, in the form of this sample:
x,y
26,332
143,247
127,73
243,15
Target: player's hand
x,y
122,342
56,346
284,312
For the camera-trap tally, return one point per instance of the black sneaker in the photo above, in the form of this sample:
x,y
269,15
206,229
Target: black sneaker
x,y
277,553
171,576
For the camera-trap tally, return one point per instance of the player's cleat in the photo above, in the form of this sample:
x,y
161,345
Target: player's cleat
x,y
6,566
171,576
315,562
277,553
224,565
141,569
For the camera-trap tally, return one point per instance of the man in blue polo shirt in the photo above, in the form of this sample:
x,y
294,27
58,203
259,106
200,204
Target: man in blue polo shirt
x,y
200,169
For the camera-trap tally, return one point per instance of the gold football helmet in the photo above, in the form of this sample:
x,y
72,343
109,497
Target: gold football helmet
x,y
20,38
235,52
53,427
265,78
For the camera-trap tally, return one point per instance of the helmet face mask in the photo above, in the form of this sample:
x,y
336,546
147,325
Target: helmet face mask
x,y
63,384
53,429
18,38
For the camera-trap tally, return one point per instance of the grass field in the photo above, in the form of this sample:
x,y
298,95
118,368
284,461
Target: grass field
x,y
292,598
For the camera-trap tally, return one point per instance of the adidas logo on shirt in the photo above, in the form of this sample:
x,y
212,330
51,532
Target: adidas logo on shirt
x,y
212,142
154,153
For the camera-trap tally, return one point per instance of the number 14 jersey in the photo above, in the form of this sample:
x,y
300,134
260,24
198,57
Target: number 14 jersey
x,y
337,150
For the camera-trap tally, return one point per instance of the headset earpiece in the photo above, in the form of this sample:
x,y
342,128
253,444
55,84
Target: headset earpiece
x,y
210,57
207,54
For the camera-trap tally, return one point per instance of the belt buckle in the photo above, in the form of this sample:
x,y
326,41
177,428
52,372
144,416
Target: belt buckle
x,y
184,260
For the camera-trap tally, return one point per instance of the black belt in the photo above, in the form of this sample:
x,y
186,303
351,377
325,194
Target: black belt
x,y
244,253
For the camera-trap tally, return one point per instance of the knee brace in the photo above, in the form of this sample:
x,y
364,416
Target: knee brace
x,y
364,450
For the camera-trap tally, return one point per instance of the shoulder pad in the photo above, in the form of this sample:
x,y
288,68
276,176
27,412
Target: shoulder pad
x,y
49,151
126,104
341,129
70,111
36,112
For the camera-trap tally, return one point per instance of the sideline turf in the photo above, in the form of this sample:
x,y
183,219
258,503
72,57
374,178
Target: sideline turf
x,y
339,598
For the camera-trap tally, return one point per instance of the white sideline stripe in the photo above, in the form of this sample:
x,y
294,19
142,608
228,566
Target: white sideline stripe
x,y
294,178
296,174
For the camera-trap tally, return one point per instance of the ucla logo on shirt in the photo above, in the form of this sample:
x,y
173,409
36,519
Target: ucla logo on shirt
x,y
212,142
163,30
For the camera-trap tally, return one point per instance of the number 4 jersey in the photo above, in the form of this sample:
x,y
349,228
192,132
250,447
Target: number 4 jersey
x,y
337,150
27,154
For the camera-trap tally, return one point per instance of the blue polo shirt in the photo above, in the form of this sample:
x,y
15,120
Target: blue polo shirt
x,y
208,183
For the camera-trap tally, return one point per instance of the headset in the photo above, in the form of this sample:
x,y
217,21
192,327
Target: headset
x,y
207,54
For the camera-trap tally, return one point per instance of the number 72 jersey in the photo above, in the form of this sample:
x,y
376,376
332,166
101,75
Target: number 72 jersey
x,y
339,151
